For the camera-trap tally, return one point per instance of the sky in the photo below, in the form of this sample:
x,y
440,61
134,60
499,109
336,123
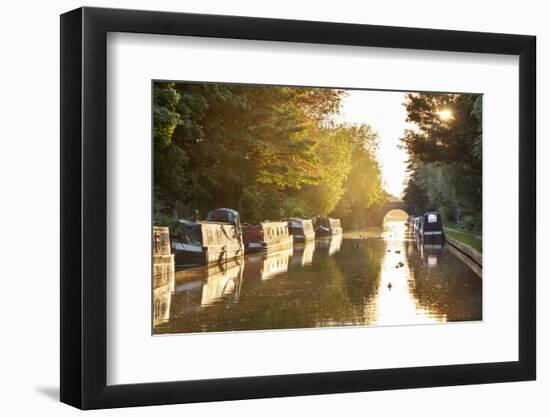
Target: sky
x,y
383,110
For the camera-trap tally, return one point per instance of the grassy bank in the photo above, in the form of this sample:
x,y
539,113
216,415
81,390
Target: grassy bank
x,y
468,238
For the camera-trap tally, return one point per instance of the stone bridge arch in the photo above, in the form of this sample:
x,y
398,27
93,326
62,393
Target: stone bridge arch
x,y
375,215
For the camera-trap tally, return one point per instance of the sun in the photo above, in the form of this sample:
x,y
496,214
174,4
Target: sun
x,y
445,114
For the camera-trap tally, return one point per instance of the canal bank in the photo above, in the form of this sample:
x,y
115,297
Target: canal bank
x,y
472,239
468,254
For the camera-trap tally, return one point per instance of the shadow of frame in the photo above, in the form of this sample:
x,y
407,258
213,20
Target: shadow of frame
x,y
49,392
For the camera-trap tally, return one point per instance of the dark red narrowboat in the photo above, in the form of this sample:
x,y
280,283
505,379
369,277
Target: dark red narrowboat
x,y
267,236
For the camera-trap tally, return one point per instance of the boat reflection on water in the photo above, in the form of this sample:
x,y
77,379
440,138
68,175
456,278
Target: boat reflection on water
x,y
267,265
430,253
223,284
330,245
371,277
163,275
302,254
208,285
163,286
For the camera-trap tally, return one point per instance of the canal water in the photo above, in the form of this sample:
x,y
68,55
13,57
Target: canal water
x,y
374,277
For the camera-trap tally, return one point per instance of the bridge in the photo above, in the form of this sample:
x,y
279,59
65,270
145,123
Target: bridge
x,y
375,215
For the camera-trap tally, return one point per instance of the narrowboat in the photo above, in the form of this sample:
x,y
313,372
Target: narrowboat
x,y
163,260
416,224
301,229
327,226
267,236
431,227
216,239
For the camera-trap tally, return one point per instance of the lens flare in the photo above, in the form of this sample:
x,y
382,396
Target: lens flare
x,y
445,115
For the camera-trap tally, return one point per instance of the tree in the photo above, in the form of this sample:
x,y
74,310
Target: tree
x,y
334,152
446,128
268,151
445,156
165,116
363,186
170,161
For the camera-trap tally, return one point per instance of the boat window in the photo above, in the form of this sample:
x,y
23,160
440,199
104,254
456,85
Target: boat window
x,y
157,242
432,218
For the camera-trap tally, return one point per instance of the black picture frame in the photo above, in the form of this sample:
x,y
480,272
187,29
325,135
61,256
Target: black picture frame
x,y
84,207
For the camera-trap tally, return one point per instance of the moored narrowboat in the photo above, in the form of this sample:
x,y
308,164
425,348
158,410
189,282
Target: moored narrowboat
x,y
327,226
416,225
163,260
431,227
301,229
216,239
267,236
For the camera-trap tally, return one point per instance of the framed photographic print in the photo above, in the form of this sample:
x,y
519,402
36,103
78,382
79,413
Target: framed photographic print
x,y
257,208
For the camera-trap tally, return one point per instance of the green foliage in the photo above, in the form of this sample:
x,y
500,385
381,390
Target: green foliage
x,y
261,202
267,151
334,152
477,143
164,112
363,185
445,157
161,214
437,139
296,207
